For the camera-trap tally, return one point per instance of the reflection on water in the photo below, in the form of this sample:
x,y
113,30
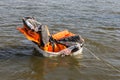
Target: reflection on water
x,y
47,67
39,68
98,21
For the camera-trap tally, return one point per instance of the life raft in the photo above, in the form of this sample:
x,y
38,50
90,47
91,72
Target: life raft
x,y
59,44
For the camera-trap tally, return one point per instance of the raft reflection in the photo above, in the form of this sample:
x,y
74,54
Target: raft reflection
x,y
54,68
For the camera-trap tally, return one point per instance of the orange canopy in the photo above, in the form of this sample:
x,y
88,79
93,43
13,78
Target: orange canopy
x,y
34,36
30,35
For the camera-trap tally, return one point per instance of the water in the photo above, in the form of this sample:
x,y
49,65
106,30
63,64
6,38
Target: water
x,y
98,21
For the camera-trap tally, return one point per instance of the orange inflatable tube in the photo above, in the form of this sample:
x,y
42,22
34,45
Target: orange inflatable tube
x,y
62,34
57,47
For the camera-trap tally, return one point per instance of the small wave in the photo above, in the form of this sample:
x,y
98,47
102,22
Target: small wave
x,y
115,12
98,32
109,28
14,50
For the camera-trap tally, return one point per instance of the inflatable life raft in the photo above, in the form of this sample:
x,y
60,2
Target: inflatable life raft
x,y
59,44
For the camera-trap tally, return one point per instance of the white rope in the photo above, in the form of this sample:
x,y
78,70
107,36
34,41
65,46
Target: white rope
x,y
107,63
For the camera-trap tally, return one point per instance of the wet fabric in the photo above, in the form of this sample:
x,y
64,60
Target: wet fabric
x,y
30,35
31,23
44,33
40,35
